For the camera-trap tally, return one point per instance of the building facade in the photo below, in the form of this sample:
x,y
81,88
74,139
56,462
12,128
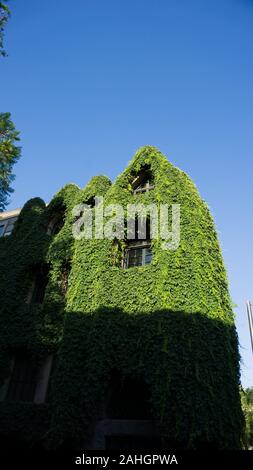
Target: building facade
x,y
117,343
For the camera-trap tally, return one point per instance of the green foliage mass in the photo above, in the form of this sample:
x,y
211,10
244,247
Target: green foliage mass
x,y
170,322
247,407
9,155
4,16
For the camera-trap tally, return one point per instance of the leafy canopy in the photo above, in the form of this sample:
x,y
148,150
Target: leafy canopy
x,y
4,16
9,155
247,407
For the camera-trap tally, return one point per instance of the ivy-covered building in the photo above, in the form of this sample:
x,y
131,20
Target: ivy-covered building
x,y
117,344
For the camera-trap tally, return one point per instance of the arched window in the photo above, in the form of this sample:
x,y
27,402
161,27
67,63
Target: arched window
x,y
127,421
144,181
39,281
56,223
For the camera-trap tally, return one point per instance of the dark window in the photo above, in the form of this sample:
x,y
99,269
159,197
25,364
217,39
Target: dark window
x,y
143,182
40,284
128,398
23,380
91,202
65,277
56,225
138,255
2,230
138,251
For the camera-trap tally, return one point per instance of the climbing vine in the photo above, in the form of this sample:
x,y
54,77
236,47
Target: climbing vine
x,y
170,322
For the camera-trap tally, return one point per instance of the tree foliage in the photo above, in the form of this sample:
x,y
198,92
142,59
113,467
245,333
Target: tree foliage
x,y
247,407
9,155
4,16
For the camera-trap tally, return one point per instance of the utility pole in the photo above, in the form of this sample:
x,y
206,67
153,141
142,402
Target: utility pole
x,y
250,319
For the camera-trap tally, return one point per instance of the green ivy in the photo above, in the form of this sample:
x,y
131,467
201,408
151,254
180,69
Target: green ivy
x,y
170,322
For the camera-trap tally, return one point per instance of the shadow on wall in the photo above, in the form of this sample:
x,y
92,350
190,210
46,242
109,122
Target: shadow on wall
x,y
185,366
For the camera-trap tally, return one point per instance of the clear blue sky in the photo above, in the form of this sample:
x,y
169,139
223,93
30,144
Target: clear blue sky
x,y
90,81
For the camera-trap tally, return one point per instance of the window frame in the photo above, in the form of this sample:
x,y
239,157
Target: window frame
x,y
143,182
40,283
5,224
144,189
144,246
42,378
55,225
23,380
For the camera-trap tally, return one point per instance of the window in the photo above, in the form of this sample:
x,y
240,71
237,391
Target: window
x,y
138,251
23,380
144,182
10,226
65,277
55,225
7,226
91,202
138,254
28,381
39,285
127,398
